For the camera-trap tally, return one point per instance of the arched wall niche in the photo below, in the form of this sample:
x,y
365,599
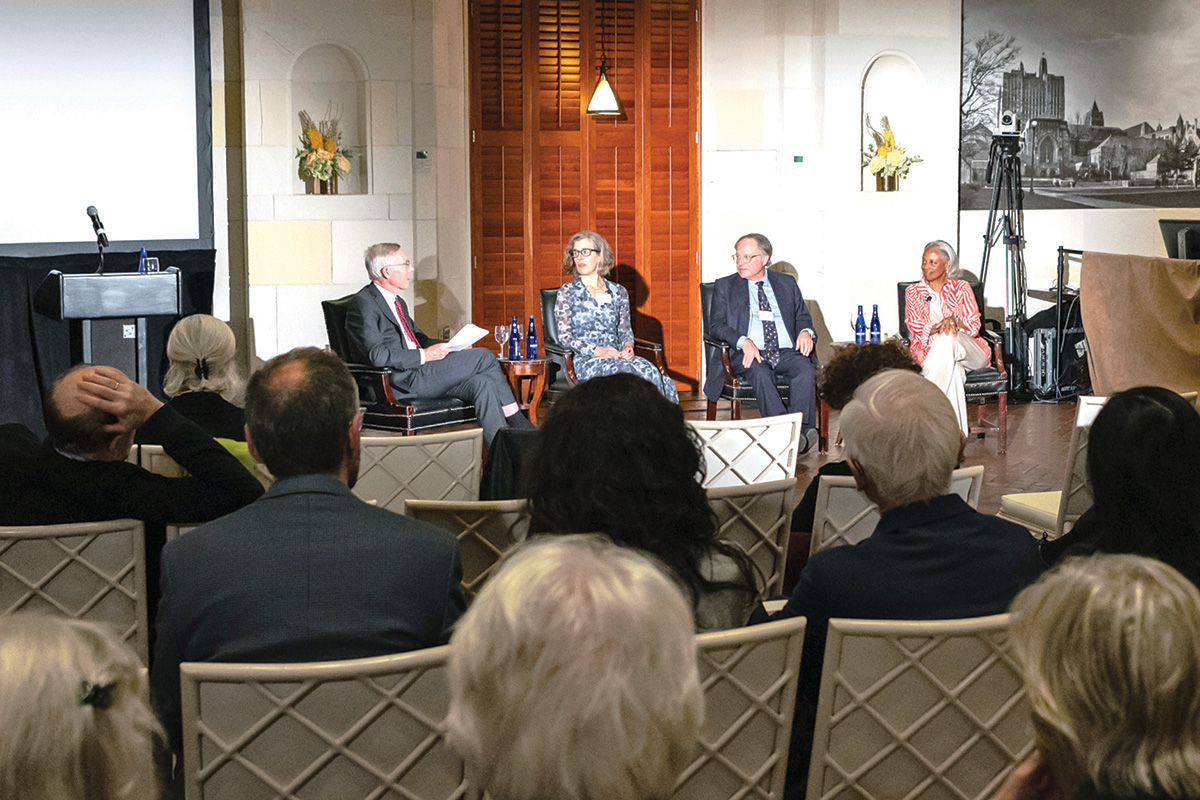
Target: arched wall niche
x,y
330,80
893,87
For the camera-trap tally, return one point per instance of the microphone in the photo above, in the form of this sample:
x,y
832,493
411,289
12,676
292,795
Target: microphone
x,y
98,226
928,298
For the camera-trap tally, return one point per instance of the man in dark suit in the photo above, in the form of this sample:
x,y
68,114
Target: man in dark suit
x,y
930,557
763,317
382,333
309,572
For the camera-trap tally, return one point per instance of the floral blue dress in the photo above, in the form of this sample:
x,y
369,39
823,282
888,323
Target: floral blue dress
x,y
586,322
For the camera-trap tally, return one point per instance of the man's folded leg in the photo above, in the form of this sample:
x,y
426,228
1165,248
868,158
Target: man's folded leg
x,y
474,375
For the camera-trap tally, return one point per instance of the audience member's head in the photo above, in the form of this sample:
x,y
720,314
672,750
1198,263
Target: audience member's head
x,y
851,366
1144,465
616,457
200,355
302,415
573,675
902,438
76,726
1110,648
79,429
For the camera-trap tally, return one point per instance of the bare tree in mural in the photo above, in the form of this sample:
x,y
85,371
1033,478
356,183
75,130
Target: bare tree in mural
x,y
984,62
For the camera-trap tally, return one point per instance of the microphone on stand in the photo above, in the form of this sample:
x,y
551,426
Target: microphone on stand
x,y
98,226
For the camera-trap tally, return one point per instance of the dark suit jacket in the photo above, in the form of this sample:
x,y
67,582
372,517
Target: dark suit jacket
x,y
40,486
729,319
938,559
375,336
308,573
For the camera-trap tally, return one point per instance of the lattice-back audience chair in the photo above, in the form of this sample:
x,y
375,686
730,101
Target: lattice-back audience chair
x,y
562,360
384,409
365,728
918,709
153,458
94,571
740,452
734,390
981,384
485,529
749,681
844,515
434,466
1051,514
757,518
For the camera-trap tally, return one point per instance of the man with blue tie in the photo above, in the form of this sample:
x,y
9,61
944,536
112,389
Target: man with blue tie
x,y
762,315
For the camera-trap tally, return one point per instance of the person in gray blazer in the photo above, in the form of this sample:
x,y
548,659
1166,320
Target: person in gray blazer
x,y
382,333
309,572
762,316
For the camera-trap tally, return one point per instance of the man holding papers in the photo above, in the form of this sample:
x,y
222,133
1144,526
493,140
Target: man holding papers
x,y
382,333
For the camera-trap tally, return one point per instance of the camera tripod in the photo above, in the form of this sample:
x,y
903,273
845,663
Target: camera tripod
x,y
1006,220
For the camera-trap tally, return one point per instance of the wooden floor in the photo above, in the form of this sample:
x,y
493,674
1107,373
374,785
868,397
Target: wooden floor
x,y
1039,435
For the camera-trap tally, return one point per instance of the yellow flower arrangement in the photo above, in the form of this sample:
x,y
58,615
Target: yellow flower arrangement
x,y
320,155
885,157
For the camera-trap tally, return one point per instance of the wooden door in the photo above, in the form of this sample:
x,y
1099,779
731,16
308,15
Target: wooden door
x,y
541,169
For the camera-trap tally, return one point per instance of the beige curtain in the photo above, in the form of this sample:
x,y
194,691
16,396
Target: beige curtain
x,y
1141,317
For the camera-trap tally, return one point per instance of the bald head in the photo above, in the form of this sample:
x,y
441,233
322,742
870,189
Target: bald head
x,y
300,409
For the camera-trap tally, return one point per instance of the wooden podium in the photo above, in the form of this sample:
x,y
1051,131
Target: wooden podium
x,y
108,314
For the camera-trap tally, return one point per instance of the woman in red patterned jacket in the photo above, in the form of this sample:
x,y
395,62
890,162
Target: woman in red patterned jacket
x,y
943,324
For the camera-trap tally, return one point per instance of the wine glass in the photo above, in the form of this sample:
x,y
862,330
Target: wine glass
x,y
501,334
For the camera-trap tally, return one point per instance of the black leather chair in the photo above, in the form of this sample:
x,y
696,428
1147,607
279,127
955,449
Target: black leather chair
x,y
562,361
735,391
375,386
981,384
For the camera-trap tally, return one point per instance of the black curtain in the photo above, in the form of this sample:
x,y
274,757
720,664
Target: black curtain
x,y
35,348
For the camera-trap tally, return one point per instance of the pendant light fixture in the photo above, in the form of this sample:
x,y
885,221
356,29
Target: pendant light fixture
x,y
604,102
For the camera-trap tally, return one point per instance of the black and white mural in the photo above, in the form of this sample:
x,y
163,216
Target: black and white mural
x,y
1107,93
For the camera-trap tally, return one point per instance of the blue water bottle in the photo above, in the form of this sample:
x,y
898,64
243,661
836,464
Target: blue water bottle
x,y
876,335
531,340
860,328
514,340
142,262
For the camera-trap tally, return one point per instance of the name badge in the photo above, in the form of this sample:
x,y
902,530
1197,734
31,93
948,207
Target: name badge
x,y
767,316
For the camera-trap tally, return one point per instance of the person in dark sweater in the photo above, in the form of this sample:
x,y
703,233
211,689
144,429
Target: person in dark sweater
x,y
1143,461
931,556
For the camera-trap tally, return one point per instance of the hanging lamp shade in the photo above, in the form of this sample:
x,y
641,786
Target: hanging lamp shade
x,y
604,101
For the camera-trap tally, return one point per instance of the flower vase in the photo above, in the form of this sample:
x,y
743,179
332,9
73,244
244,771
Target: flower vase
x,y
887,183
318,186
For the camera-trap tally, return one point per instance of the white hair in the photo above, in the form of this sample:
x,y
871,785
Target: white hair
x,y
1111,657
904,434
72,708
953,270
200,354
573,675
374,255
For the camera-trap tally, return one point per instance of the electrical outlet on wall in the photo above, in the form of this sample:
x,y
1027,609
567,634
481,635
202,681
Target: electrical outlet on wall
x,y
129,331
445,333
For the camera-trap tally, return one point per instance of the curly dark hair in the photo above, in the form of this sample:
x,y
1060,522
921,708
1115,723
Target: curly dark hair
x,y
617,458
851,366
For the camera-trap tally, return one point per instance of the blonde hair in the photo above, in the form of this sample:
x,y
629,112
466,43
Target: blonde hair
x,y
201,351
74,715
573,675
1110,647
904,433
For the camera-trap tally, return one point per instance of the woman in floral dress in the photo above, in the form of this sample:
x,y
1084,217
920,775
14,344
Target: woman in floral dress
x,y
593,317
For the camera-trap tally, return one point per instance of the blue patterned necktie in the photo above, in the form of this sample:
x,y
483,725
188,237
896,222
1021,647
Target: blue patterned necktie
x,y
770,349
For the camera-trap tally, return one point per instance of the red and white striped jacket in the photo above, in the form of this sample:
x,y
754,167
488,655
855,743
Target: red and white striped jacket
x,y
957,299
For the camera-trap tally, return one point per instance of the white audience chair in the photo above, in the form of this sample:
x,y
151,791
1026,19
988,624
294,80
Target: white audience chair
x,y
485,529
154,459
757,518
1051,514
930,709
844,515
94,571
432,466
364,728
739,452
749,680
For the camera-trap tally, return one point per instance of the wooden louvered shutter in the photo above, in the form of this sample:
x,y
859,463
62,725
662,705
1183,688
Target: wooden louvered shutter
x,y
541,169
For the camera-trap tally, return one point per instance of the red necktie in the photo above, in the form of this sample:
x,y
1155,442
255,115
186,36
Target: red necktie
x,y
412,339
